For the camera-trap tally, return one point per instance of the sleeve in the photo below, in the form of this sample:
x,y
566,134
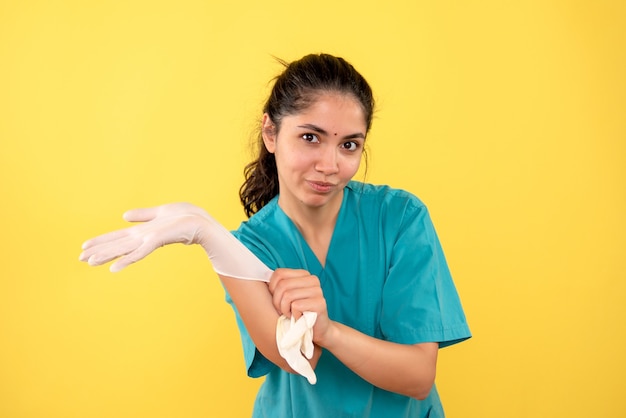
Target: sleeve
x,y
420,301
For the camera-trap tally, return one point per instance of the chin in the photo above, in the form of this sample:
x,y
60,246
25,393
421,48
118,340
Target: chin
x,y
318,201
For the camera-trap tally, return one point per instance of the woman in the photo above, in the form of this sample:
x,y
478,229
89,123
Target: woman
x,y
364,258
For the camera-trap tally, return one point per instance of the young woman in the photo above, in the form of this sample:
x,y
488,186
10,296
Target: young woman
x,y
364,258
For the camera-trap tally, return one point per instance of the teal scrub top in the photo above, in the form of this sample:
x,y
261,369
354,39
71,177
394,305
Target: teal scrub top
x,y
385,276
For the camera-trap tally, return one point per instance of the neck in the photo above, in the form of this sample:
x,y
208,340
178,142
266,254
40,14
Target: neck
x,y
312,217
316,224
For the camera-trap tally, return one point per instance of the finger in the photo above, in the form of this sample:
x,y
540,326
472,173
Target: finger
x,y
281,274
138,254
290,302
295,313
104,253
314,302
141,214
283,285
107,251
101,239
288,290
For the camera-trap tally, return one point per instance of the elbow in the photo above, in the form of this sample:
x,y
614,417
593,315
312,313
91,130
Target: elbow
x,y
421,390
426,373
421,393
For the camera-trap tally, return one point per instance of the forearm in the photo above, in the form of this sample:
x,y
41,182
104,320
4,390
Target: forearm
x,y
254,304
405,369
241,272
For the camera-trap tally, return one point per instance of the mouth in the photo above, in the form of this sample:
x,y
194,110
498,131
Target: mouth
x,y
321,186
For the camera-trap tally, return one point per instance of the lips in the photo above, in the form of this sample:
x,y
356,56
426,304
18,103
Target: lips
x,y
321,186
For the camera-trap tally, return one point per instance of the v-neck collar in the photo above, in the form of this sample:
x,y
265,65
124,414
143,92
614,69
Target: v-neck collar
x,y
313,264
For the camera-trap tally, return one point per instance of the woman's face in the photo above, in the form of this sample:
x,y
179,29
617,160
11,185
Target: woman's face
x,y
317,151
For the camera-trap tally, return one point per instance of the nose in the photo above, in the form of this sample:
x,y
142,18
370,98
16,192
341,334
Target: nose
x,y
328,161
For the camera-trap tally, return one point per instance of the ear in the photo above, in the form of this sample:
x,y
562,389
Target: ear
x,y
268,131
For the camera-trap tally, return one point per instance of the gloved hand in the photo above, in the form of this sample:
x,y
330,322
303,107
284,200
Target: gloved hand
x,y
174,223
189,224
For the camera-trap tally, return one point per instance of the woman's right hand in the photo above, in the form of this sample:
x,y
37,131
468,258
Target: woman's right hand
x,y
297,291
159,226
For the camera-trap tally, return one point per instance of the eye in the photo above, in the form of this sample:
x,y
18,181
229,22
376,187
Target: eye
x,y
312,138
350,146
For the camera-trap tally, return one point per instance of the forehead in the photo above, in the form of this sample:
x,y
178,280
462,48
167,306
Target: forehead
x,y
335,108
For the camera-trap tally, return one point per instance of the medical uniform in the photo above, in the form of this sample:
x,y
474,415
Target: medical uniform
x,y
385,276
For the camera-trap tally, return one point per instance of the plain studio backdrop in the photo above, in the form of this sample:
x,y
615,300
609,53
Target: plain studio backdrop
x,y
507,118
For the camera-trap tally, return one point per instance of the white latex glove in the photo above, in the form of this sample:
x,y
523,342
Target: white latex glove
x,y
189,224
174,223
295,338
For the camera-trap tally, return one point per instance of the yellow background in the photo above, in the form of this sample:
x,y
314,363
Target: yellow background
x,y
507,118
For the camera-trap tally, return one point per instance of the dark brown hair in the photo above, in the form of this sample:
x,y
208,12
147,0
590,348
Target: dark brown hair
x,y
299,85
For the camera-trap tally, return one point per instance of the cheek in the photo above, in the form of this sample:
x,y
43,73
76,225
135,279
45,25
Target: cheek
x,y
351,166
301,160
289,161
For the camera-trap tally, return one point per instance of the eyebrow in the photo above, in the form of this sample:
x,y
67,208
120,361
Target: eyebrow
x,y
323,132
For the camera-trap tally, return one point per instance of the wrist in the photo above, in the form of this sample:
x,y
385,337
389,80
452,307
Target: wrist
x,y
202,232
330,337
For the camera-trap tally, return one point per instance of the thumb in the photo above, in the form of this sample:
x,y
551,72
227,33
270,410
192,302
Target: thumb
x,y
140,215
